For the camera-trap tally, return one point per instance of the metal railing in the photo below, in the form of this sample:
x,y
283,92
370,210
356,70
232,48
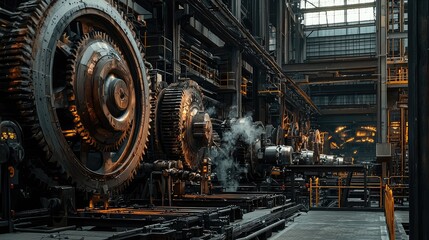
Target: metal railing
x,y
227,80
389,211
243,87
197,63
397,75
399,186
373,184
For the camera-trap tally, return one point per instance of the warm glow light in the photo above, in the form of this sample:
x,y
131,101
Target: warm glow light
x,y
370,128
339,129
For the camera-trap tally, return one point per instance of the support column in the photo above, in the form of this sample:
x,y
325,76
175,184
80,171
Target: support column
x,y
260,108
286,36
382,72
260,22
172,28
418,35
236,9
280,30
237,63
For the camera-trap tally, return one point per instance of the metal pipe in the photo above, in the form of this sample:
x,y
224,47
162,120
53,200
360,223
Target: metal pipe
x,y
263,230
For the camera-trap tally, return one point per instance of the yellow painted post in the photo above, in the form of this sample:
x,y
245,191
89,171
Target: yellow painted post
x,y
339,192
389,211
317,192
381,192
311,192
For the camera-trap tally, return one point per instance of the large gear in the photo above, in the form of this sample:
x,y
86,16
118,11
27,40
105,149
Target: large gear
x,y
46,38
102,113
183,126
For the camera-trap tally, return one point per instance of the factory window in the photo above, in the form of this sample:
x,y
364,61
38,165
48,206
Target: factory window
x,y
366,14
353,33
353,15
342,100
337,16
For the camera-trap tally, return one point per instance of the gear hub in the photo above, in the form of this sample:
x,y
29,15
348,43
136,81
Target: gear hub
x,y
102,92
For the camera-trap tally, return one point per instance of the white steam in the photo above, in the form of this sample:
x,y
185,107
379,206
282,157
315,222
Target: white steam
x,y
211,111
228,170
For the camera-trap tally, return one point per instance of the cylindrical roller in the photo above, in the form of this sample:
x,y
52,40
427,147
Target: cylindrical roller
x,y
278,155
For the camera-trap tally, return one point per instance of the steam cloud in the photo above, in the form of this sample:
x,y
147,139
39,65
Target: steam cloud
x,y
227,169
211,111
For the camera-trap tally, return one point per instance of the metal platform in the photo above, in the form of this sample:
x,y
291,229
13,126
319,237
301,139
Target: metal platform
x,y
336,225
247,201
258,215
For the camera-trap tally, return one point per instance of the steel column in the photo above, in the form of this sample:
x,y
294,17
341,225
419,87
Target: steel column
x,y
382,71
237,62
419,118
172,28
280,19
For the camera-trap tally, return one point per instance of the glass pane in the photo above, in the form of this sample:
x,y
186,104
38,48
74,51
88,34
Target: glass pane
x,y
339,16
352,15
367,14
326,3
311,18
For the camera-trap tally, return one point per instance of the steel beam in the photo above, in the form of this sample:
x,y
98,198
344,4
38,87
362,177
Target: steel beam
x,y
418,118
340,26
339,7
397,35
335,120
339,111
332,65
326,168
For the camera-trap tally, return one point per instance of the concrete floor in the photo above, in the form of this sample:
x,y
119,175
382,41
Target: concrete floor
x,y
332,225
336,225
401,217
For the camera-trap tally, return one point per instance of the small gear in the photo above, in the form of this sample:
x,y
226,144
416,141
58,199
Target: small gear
x,y
183,126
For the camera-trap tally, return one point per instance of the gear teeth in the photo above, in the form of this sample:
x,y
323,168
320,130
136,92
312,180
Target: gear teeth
x,y
80,127
172,124
17,88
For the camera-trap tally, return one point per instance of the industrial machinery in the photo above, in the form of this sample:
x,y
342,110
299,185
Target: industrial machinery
x,y
116,133
77,83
